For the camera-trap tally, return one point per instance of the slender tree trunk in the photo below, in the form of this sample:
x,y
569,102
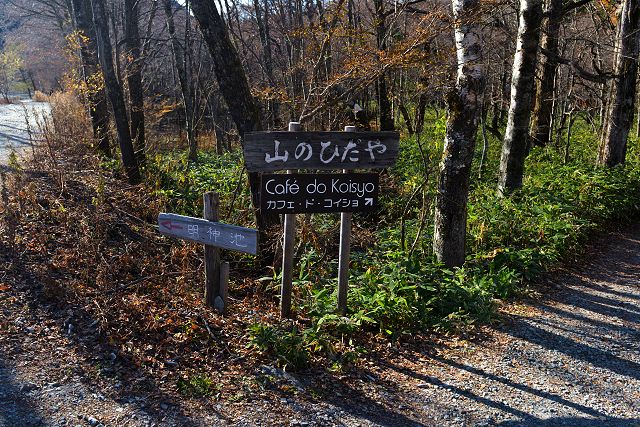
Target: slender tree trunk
x,y
114,91
505,91
462,125
262,19
235,90
406,117
384,103
543,104
421,108
613,147
183,78
637,106
117,54
514,146
96,96
134,76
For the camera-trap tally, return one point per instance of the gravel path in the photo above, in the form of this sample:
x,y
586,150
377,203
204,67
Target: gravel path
x,y
14,134
571,359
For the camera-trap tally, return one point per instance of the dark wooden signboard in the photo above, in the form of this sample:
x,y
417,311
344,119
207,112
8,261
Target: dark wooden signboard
x,y
319,193
271,151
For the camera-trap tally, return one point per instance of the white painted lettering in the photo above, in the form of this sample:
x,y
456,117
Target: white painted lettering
x,y
276,156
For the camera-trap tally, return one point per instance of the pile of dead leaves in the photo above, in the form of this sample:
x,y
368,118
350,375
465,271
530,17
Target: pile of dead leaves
x,y
84,239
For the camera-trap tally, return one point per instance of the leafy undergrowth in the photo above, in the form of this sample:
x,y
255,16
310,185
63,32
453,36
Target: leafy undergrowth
x,y
89,239
397,290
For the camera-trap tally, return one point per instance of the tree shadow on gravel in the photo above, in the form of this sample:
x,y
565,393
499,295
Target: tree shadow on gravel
x,y
16,406
462,392
574,422
522,387
630,346
608,290
524,418
355,403
601,305
576,350
590,320
92,347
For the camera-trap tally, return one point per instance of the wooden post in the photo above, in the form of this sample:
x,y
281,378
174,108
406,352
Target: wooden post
x,y
211,253
287,251
220,303
345,252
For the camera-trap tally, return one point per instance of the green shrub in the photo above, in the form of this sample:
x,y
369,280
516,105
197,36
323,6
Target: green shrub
x,y
395,292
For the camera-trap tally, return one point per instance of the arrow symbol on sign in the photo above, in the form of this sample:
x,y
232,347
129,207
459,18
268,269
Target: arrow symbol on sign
x,y
169,225
368,201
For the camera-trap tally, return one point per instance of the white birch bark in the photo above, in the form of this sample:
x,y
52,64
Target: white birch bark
x,y
463,104
514,146
613,147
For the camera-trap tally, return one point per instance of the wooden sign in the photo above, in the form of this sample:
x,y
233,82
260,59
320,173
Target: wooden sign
x,y
319,193
209,232
271,151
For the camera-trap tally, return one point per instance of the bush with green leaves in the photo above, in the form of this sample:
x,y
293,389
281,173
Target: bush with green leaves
x,y
397,291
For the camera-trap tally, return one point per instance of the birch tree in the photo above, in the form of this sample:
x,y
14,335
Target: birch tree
x,y
514,146
463,105
613,147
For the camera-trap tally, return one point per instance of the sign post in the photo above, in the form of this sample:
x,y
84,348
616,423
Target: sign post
x,y
345,252
215,236
288,245
211,253
293,193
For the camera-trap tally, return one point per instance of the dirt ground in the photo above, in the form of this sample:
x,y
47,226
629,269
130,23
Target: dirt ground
x,y
571,358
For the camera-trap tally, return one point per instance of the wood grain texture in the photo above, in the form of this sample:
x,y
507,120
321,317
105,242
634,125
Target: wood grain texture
x,y
211,253
205,232
271,151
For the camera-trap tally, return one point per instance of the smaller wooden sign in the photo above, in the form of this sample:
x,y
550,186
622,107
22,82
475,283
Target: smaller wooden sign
x,y
319,193
272,151
211,233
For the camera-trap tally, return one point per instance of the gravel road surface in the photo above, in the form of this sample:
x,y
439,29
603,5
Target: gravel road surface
x,y
572,359
14,134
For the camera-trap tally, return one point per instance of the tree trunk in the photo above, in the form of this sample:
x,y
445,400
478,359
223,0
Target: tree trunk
x,y
463,104
98,108
262,20
613,147
134,76
114,91
514,146
234,87
384,103
543,104
183,78
406,117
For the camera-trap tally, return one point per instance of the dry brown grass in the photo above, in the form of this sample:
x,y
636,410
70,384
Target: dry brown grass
x,y
6,101
40,97
68,125
89,240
